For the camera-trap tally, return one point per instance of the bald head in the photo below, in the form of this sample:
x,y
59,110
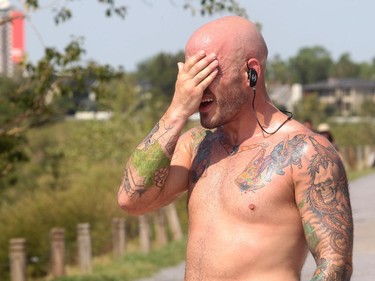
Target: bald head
x,y
233,39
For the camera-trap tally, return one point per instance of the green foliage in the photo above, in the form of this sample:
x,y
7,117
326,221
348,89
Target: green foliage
x,y
367,108
354,134
311,65
345,67
314,64
367,70
12,151
310,108
277,70
33,215
27,103
158,74
210,7
73,176
62,11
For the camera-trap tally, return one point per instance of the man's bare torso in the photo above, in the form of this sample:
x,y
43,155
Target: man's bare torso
x,y
243,220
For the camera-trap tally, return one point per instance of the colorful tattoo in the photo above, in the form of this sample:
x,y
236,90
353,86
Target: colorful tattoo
x,y
261,168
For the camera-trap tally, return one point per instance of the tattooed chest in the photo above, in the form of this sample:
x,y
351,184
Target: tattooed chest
x,y
252,167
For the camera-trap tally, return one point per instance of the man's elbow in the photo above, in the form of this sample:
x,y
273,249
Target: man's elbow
x,y
128,205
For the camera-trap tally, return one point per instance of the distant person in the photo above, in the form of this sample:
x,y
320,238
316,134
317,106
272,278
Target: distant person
x,y
261,188
308,124
325,130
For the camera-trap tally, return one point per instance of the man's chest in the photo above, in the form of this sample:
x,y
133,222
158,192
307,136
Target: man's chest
x,y
248,185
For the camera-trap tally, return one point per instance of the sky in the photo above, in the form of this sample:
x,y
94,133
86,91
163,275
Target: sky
x,y
154,26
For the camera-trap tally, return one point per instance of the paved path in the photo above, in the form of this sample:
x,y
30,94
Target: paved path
x,y
362,192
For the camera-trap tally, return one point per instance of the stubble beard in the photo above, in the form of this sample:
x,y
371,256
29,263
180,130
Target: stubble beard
x,y
226,108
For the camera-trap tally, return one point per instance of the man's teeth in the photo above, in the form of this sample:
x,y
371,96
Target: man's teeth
x,y
207,100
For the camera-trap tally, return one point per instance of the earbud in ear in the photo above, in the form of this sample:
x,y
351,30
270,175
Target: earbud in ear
x,y
253,77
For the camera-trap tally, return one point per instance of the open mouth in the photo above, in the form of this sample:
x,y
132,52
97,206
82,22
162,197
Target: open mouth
x,y
205,103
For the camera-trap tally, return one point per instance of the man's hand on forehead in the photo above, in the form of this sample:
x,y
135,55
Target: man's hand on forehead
x,y
194,76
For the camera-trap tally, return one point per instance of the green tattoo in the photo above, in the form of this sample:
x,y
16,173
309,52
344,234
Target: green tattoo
x,y
311,236
151,164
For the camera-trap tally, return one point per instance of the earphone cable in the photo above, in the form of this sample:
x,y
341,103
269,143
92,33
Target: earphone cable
x,y
288,113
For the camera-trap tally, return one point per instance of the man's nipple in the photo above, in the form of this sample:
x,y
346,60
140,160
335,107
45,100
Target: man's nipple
x,y
252,207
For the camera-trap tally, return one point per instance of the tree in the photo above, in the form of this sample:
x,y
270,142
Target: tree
x,y
159,73
310,65
367,70
368,108
345,67
310,108
277,71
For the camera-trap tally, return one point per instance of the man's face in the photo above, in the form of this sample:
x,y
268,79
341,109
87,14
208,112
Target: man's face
x,y
226,95
223,99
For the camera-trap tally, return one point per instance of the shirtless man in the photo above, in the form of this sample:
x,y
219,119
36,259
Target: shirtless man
x,y
262,189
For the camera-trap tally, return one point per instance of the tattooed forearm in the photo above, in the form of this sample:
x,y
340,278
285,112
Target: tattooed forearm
x,y
160,133
149,163
127,186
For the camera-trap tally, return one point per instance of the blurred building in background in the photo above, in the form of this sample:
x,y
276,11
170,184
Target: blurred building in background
x,y
12,38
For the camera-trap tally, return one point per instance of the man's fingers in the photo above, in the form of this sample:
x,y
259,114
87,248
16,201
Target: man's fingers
x,y
208,79
195,64
206,73
192,61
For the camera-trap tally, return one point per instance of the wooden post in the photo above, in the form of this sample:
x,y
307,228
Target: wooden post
x,y
344,156
160,229
118,237
17,258
84,247
359,158
371,162
174,222
144,234
57,240
351,158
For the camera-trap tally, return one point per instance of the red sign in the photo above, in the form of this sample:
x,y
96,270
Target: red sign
x,y
18,37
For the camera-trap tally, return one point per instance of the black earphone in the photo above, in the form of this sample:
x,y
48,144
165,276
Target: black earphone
x,y
252,76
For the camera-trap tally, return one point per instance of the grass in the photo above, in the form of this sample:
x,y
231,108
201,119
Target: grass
x,y
132,266
352,175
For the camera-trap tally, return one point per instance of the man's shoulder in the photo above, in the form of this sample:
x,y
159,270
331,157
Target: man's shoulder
x,y
297,139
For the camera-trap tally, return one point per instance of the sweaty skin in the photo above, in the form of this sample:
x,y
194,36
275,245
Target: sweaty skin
x,y
257,202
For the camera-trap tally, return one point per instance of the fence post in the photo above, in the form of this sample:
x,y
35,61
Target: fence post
x,y
84,247
173,221
351,158
372,156
359,158
57,238
144,233
118,237
17,258
160,230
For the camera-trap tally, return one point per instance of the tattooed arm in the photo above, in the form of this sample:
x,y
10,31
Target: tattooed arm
x,y
323,199
157,171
